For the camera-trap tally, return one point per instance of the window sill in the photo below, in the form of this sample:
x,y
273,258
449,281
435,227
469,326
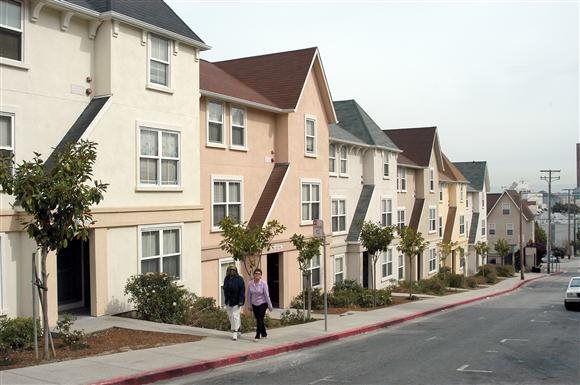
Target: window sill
x,y
14,63
343,175
306,223
387,278
401,191
340,232
311,155
386,177
215,145
239,148
158,189
216,230
432,232
160,88
333,174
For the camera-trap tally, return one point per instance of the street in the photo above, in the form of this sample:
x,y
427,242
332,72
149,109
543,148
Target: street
x,y
524,337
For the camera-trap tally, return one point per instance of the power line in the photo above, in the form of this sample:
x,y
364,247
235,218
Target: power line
x,y
549,178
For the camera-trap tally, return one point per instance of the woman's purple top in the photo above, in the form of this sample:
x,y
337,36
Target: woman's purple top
x,y
258,293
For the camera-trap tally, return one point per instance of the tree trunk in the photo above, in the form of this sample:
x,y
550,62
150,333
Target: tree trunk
x,y
374,272
44,302
410,277
304,291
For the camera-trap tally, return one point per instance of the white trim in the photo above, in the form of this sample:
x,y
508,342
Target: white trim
x,y
245,128
159,128
335,172
404,216
387,162
208,143
160,228
314,153
338,198
319,267
341,159
248,103
507,228
227,179
310,182
490,227
401,178
464,225
431,180
385,261
385,199
343,272
22,62
432,253
434,219
150,84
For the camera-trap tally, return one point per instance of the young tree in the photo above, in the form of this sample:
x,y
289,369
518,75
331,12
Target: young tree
x,y
376,239
411,244
57,200
307,249
446,248
502,248
481,249
247,243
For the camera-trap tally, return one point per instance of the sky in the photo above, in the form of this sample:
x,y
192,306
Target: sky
x,y
499,79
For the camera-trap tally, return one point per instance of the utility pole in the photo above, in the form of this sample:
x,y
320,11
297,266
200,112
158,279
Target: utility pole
x,y
569,244
549,178
522,256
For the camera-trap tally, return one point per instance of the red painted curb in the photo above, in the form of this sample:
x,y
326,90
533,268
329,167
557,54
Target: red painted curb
x,y
181,370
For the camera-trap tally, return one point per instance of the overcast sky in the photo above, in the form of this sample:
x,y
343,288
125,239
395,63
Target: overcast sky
x,y
498,78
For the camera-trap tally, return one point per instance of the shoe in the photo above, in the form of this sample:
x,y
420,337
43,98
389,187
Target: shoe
x,y
235,336
257,339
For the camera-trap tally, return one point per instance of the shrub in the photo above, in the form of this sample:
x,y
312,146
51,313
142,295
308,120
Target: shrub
x,y
456,280
381,296
317,300
158,298
74,339
505,270
290,317
488,272
472,282
17,333
433,286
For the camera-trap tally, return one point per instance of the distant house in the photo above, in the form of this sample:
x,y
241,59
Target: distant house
x,y
362,169
477,174
264,155
503,221
126,75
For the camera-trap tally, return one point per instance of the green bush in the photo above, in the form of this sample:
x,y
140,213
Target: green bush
x,y
432,286
158,298
317,300
17,333
381,296
456,280
74,339
505,270
488,272
472,282
297,317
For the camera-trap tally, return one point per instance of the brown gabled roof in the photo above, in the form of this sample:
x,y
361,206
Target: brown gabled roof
x,y
214,79
402,160
279,77
450,173
416,143
492,199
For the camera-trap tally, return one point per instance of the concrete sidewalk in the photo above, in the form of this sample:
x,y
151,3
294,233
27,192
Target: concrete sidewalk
x,y
217,349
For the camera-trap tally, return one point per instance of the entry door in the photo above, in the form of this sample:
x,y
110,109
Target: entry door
x,y
273,280
365,272
72,276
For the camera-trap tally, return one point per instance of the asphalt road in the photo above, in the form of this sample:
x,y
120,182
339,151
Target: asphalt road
x,y
525,337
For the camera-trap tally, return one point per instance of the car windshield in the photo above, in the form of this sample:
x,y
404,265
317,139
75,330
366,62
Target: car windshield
x,y
575,282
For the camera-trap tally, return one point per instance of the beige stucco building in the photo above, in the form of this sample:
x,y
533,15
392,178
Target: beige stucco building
x,y
126,76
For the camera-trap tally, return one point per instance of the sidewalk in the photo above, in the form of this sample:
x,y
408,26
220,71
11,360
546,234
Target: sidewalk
x,y
217,349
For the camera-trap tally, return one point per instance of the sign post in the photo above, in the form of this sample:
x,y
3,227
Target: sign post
x,y
318,230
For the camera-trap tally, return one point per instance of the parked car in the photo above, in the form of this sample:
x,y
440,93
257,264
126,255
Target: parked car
x,y
572,296
552,259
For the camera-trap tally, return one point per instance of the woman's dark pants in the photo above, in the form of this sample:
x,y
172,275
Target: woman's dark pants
x,y
260,313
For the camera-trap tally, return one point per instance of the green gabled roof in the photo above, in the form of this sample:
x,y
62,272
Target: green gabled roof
x,y
353,119
475,172
339,134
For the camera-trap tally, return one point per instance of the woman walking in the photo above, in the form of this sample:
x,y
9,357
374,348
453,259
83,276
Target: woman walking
x,y
234,296
259,298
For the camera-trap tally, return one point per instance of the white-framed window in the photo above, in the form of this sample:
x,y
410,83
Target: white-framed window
x,y
338,268
483,227
338,215
505,208
215,123
461,192
440,226
11,29
432,260
159,61
226,200
343,160
467,202
314,269
310,201
432,219
386,212
224,264
401,179
441,192
6,135
332,159
310,136
159,157
462,225
2,310
401,267
431,179
509,229
401,218
492,229
386,172
387,263
160,249
238,127
482,199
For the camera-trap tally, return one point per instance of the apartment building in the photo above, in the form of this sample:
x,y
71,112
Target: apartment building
x,y
264,155
125,75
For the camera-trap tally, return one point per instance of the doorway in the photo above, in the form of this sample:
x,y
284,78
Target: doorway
x,y
273,263
365,269
419,265
73,277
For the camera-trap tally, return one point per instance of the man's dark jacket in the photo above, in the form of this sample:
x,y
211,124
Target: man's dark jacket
x,y
234,290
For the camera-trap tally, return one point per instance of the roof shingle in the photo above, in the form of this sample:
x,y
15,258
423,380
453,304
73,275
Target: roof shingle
x,y
416,143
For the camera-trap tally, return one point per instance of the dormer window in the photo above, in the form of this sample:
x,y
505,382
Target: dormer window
x,y
310,136
332,159
343,161
11,29
159,73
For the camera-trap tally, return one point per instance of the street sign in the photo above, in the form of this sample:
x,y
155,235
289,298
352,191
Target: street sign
x,y
318,228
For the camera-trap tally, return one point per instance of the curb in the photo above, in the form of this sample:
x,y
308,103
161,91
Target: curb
x,y
197,367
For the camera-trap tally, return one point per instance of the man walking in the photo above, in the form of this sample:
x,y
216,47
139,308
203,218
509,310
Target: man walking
x,y
234,295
